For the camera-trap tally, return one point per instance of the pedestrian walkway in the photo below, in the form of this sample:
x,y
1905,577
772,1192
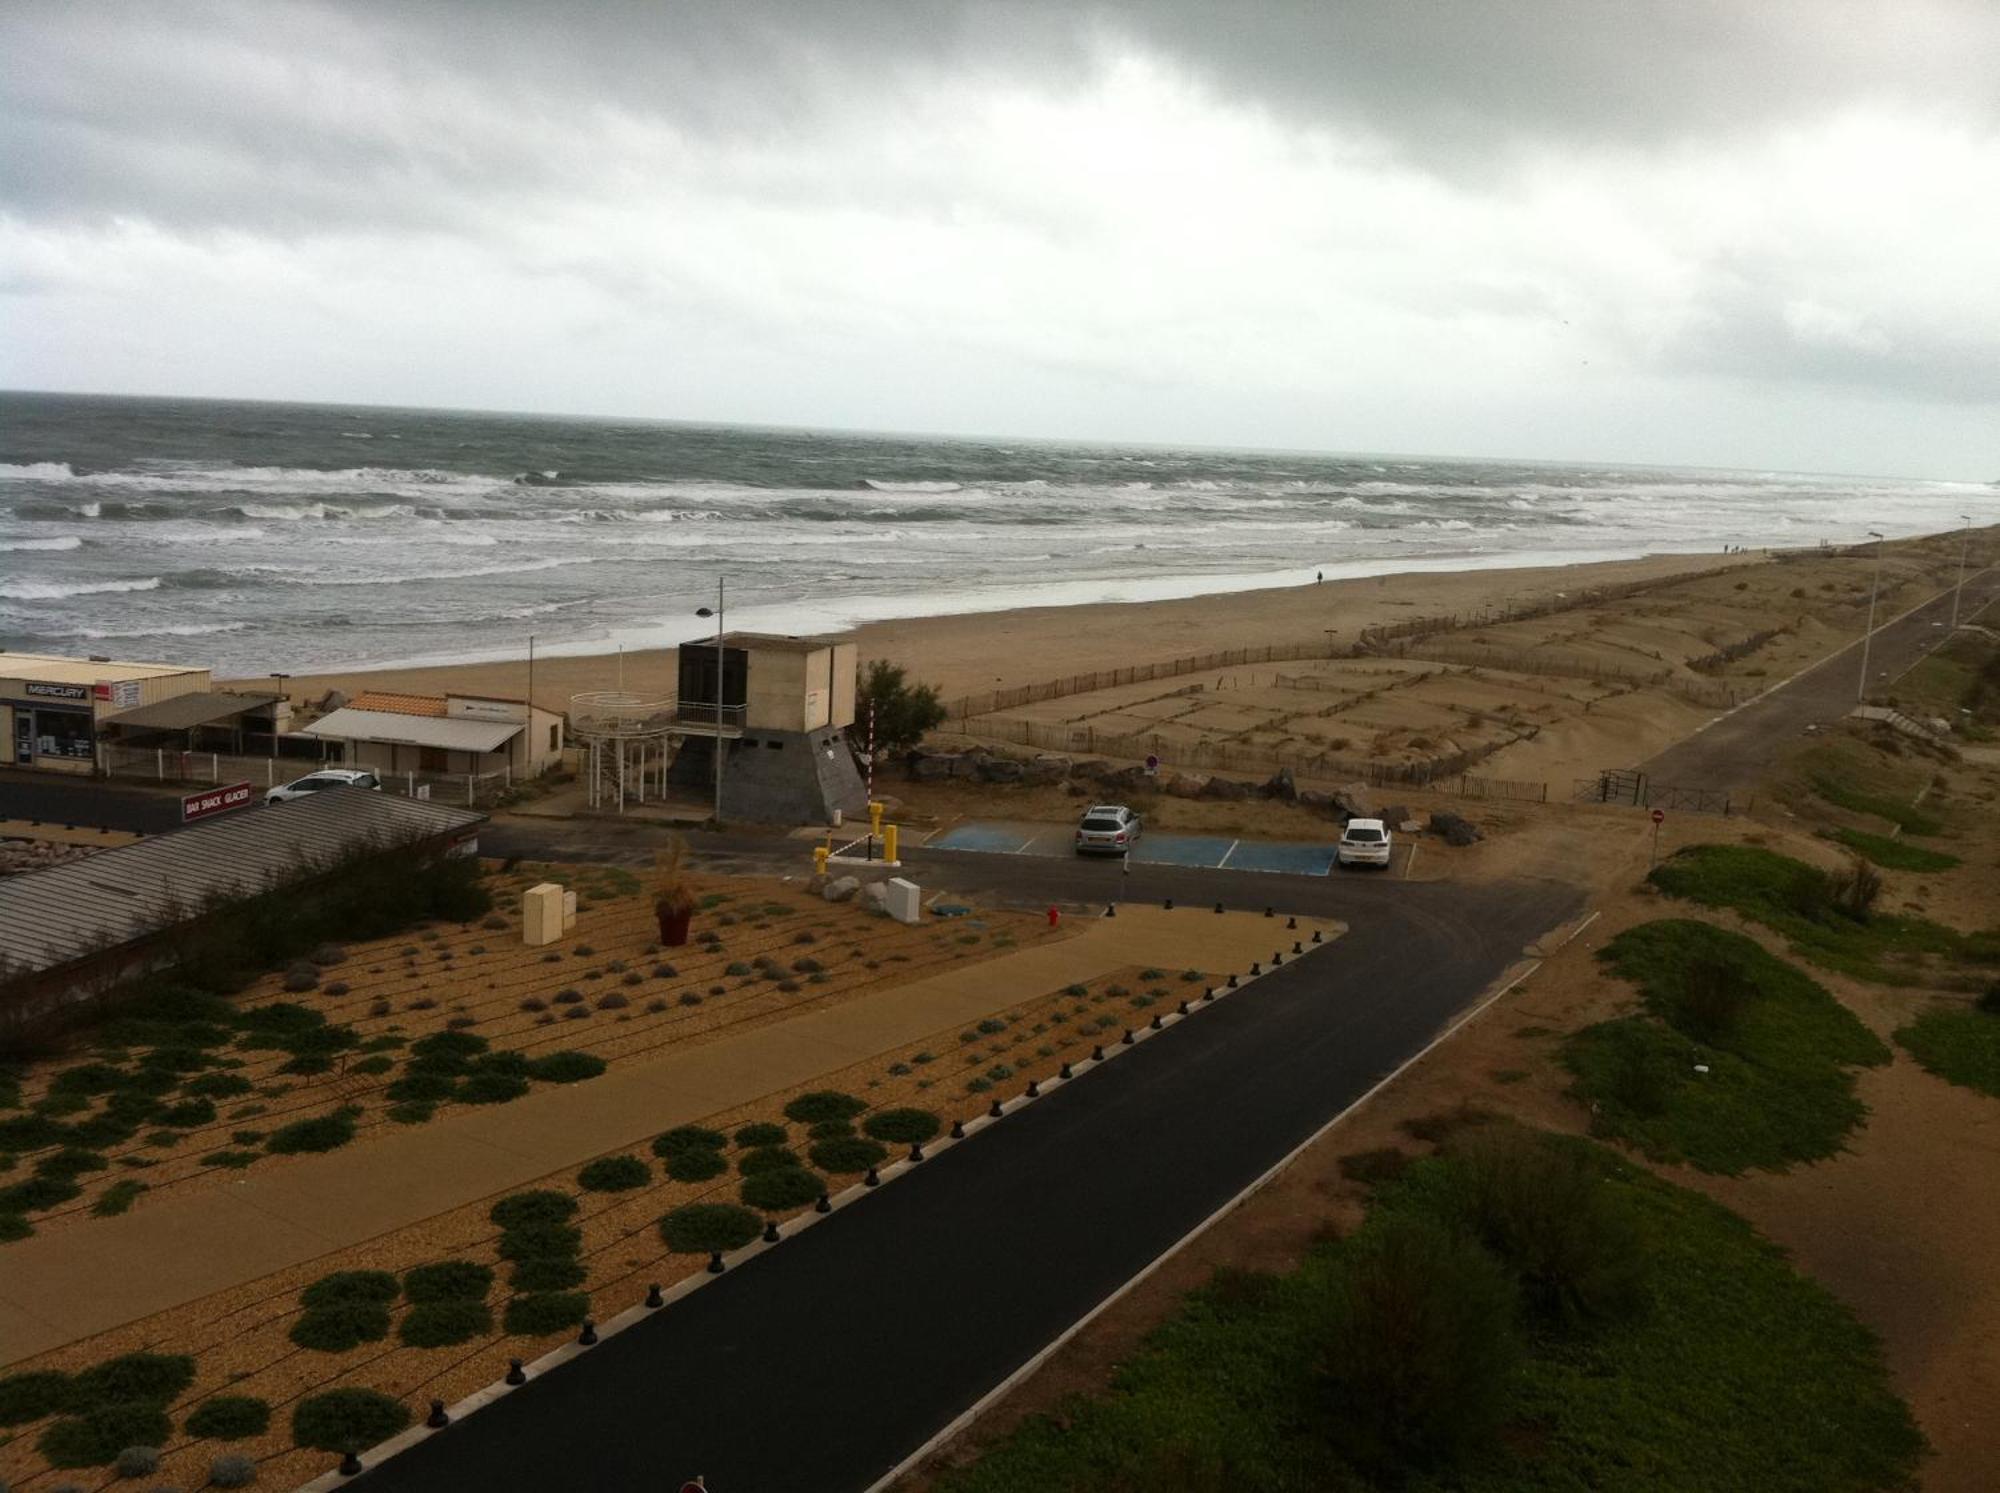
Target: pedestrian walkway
x,y
73,1282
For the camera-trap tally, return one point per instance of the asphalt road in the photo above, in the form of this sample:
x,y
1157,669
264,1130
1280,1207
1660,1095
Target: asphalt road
x,y
92,804
821,1364
1736,752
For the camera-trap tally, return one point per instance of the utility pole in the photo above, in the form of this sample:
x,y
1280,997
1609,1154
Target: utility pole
x,y
719,626
1861,692
1964,539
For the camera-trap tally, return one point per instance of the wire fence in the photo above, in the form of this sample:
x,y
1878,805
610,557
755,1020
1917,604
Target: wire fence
x,y
162,765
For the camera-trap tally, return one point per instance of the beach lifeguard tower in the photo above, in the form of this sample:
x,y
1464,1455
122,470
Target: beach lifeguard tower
x,y
776,707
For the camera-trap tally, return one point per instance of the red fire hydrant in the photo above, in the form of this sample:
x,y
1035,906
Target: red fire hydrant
x,y
1055,915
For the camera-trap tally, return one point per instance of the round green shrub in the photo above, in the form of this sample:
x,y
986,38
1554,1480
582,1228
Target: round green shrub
x,y
30,1396
229,1418
321,1133
782,1190
546,1312
760,1135
344,1325
831,1129
344,1420
443,1051
37,1193
70,1163
567,1066
703,1228
374,1286
411,1113
151,1377
824,1104
13,1226
491,1088
544,1205
614,1174
98,1435
547,1273
369,1067
218,1085
766,1159
903,1127
447,1280
688,1138
533,1240
137,1461
232,1470
695,1165
440,1324
848,1153
422,1087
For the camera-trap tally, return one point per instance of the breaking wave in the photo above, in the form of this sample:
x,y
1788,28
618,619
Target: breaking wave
x,y
60,590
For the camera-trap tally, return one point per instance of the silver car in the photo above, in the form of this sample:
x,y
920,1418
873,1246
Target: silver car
x,y
1107,829
319,782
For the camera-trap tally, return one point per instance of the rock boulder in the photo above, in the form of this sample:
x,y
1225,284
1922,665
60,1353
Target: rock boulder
x,y
1455,829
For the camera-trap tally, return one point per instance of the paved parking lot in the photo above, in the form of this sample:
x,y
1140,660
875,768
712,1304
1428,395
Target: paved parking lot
x,y
1210,852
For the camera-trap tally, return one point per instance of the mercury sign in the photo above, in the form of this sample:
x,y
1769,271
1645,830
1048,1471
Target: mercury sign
x,y
212,801
44,691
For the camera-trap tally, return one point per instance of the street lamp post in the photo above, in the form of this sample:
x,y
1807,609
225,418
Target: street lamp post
x,y
1861,693
1964,540
718,615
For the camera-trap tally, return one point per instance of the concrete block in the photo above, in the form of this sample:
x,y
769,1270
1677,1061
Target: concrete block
x,y
542,913
569,911
905,900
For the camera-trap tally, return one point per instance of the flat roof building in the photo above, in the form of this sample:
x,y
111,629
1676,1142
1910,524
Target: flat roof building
x,y
448,735
52,707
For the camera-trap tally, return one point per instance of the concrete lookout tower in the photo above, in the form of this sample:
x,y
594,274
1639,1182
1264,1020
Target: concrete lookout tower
x,y
778,708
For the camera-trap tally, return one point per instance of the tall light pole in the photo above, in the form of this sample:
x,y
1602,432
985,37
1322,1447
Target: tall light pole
x,y
718,615
1964,539
1861,693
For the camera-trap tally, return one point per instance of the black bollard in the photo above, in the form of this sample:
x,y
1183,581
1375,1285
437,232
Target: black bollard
x,y
1297,947
1169,904
824,1205
437,1420
1277,957
653,1297
1232,982
515,1374
1097,1053
1064,1071
1034,1089
1156,1023
1126,1040
715,1265
771,1231
958,1130
1111,909
588,1337
1181,1009
1291,922
873,1179
1256,968
993,1110
1218,907
1208,992
1270,912
917,1151
1315,935
350,1464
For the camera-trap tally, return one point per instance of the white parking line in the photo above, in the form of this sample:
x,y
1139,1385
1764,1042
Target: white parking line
x,y
1227,854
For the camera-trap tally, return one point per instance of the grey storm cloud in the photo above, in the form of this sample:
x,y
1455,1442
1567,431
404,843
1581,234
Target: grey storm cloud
x,y
1246,214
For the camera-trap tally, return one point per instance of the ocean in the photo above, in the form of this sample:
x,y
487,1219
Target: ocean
x,y
254,537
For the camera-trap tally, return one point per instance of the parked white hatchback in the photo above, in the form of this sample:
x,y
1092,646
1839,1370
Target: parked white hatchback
x,y
319,782
1107,829
1365,842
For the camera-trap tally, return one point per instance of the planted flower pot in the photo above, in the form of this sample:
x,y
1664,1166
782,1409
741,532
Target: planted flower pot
x,y
674,925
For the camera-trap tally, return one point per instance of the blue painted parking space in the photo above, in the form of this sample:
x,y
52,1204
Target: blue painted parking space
x,y
1280,856
994,839
1183,850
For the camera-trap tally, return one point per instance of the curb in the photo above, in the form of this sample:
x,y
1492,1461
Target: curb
x,y
847,1197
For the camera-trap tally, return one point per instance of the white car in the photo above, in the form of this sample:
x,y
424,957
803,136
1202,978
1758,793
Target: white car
x,y
1365,842
319,782
1109,829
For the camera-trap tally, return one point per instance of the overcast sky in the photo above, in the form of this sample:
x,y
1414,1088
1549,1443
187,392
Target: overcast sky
x,y
1727,232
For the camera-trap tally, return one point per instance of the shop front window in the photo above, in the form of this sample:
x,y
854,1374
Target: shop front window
x,y
63,733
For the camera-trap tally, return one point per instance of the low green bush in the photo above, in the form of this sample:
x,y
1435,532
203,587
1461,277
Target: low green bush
x,y
824,1104
189,1114
695,1165
781,1190
229,1418
422,1087
1895,855
534,1240
151,1377
13,1226
441,1324
525,1209
117,1198
547,1273
411,1112
341,1326
345,1420
32,1395
831,1129
36,1194
232,1470
447,1280
760,1134
567,1066
490,1088
703,1228
1960,1046
902,1127
546,1312
1373,1168
766,1159
614,1174
849,1153
322,1133
375,1286
96,1437
688,1138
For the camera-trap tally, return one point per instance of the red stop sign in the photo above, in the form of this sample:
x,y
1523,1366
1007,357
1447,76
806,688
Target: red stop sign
x,y
1659,816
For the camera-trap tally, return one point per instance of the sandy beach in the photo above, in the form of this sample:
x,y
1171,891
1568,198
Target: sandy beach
x,y
975,651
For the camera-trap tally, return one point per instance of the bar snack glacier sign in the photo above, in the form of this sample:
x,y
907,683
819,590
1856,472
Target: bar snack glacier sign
x,y
212,801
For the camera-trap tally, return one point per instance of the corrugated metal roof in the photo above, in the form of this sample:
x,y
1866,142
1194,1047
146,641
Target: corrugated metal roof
x,y
398,704
457,735
50,917
178,712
